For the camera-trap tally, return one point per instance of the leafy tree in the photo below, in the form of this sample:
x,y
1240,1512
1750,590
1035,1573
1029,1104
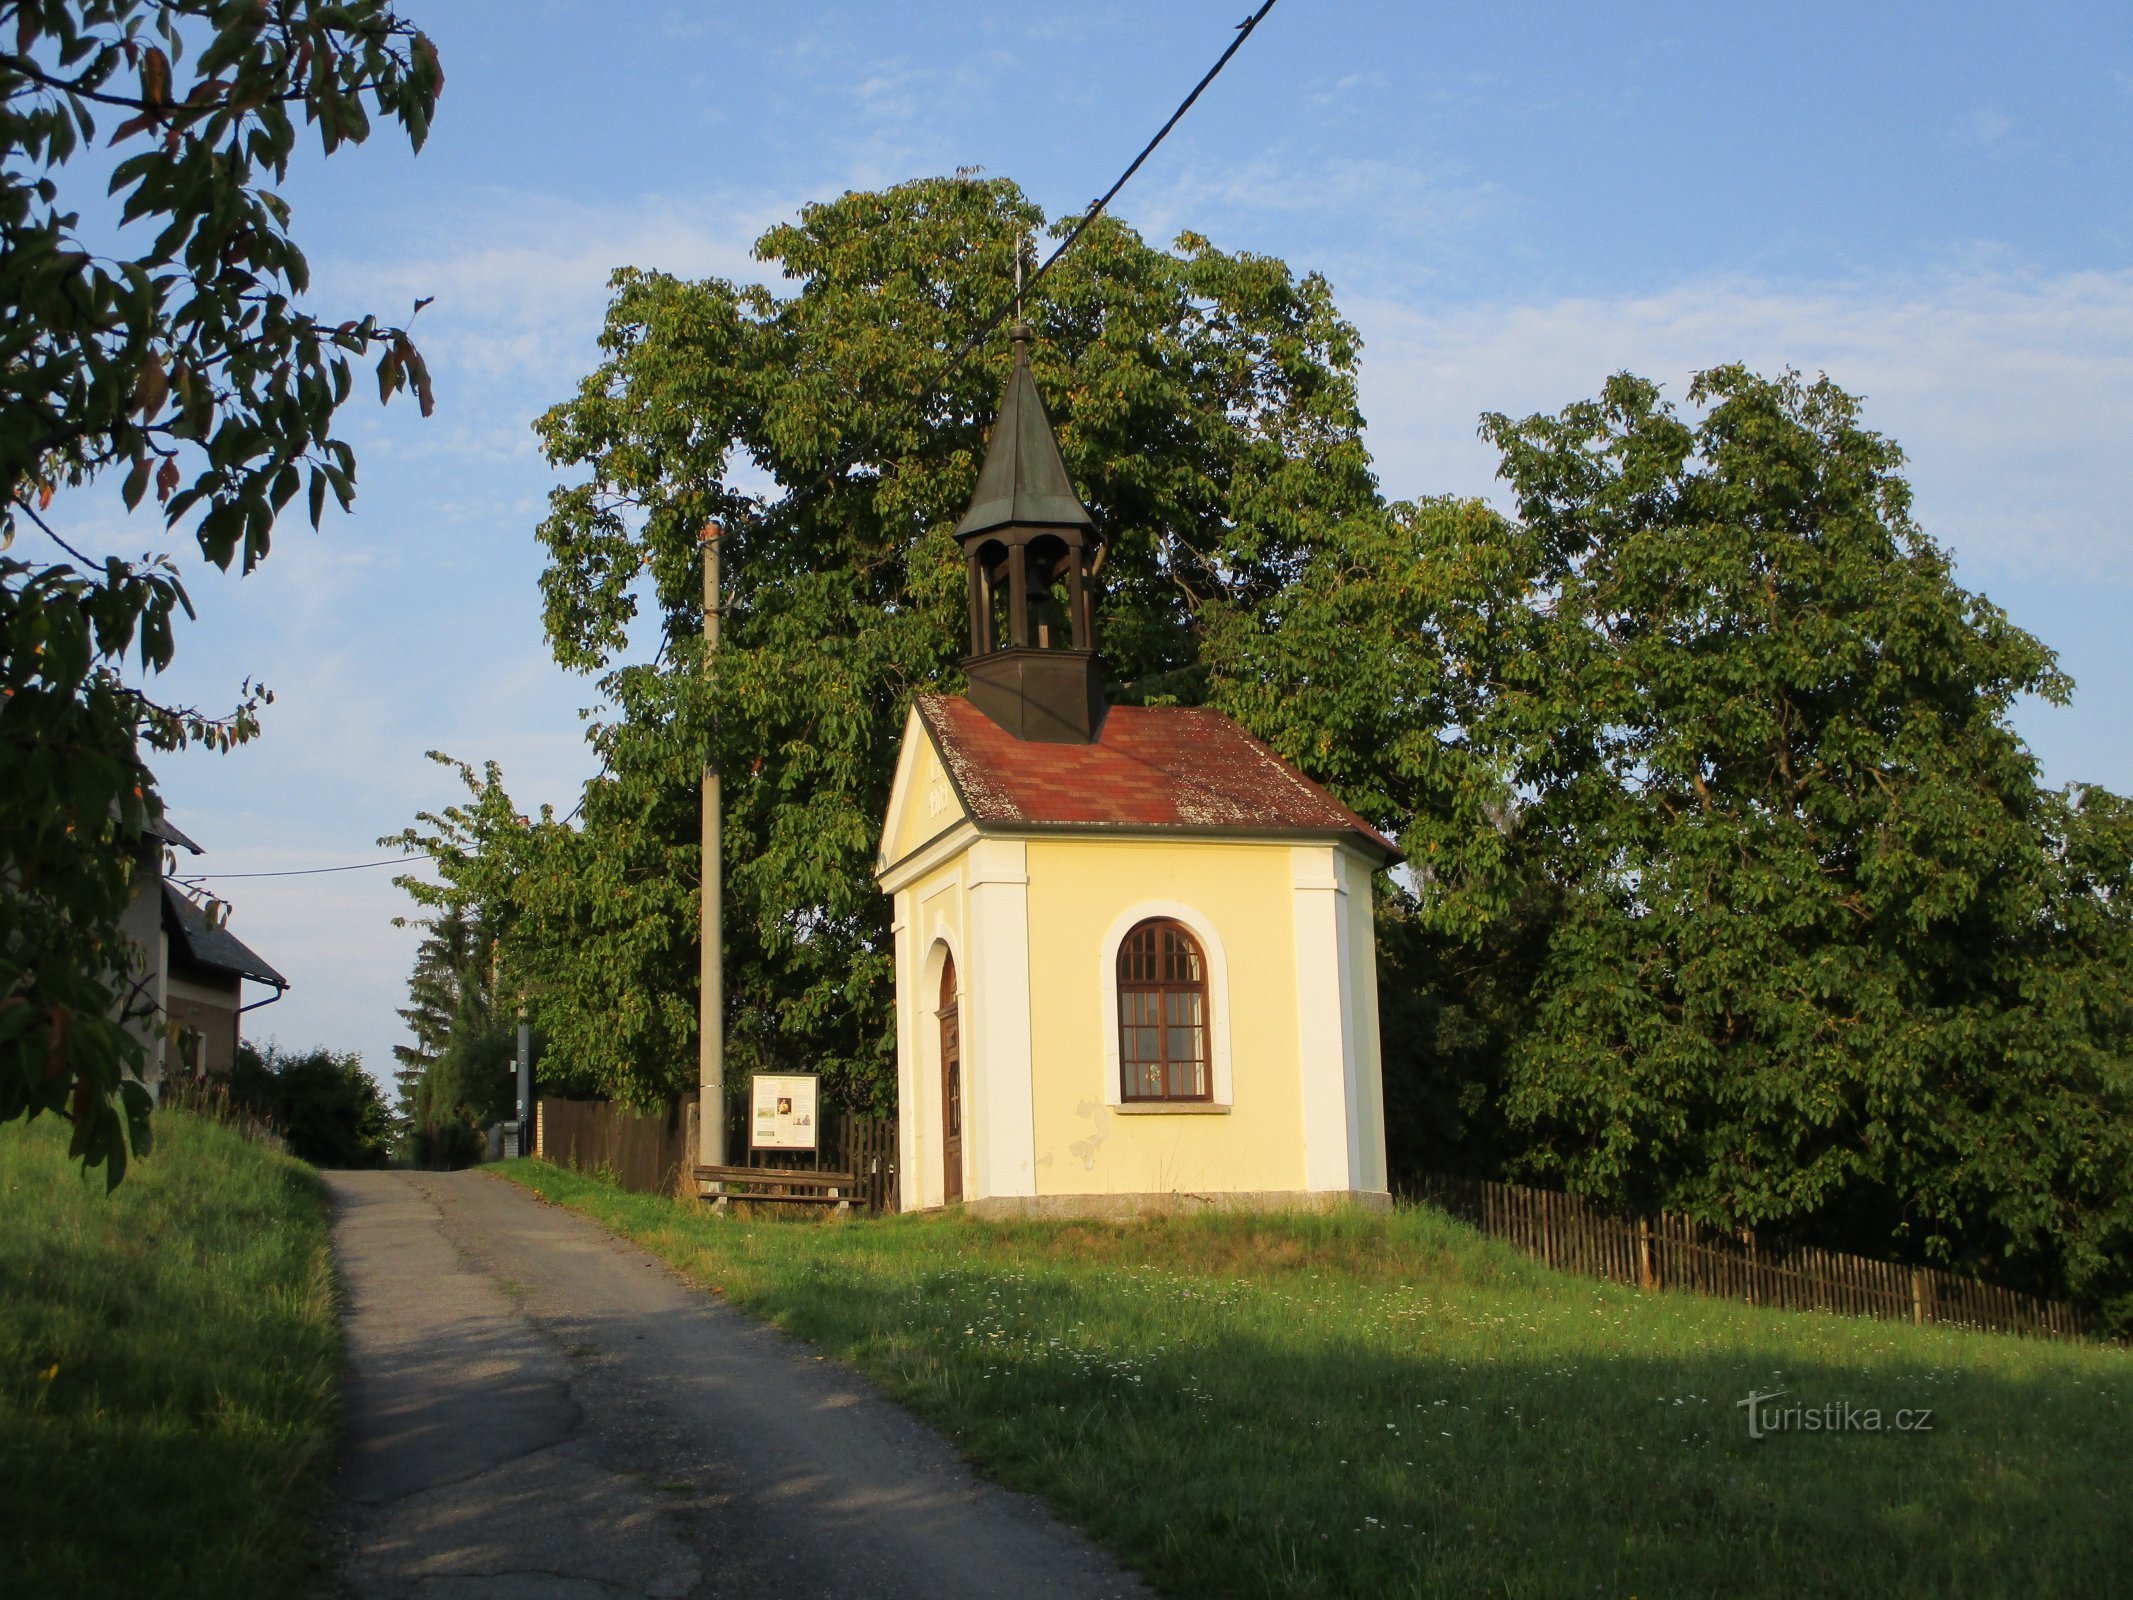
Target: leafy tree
x,y
1826,960
469,1087
186,364
449,957
1205,403
466,1002
322,1101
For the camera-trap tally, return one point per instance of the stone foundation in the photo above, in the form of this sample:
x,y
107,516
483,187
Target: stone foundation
x,y
1122,1207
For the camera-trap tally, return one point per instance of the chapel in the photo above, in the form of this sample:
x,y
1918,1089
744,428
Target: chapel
x,y
1135,961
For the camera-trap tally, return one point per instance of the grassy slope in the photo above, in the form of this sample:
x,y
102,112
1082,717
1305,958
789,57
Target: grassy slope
x,y
179,1448
1361,1405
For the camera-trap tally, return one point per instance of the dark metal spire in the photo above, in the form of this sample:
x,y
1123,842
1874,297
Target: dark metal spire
x,y
1024,481
1031,548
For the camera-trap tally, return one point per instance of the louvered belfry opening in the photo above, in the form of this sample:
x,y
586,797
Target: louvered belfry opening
x,y
1031,550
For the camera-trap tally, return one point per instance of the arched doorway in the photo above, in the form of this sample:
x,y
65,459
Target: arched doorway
x,y
951,1086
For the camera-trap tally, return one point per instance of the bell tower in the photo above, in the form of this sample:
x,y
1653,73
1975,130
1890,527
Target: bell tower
x,y
1032,551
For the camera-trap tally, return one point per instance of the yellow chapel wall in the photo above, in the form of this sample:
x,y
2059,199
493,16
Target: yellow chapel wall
x,y
1084,1142
924,806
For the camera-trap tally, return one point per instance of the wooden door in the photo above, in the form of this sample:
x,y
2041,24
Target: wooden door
x,y
951,1087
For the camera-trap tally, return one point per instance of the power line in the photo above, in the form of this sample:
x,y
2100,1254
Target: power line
x,y
314,871
1097,207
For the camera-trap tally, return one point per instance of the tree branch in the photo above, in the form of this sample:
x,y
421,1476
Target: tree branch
x,y
182,112
30,511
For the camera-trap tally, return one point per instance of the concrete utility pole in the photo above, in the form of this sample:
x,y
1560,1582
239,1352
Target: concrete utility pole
x,y
525,1086
711,1022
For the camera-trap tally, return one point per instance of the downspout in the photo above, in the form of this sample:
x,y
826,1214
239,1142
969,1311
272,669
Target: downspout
x,y
237,1028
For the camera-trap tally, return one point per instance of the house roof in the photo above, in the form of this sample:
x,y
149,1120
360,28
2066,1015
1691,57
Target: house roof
x,y
170,833
1160,768
217,948
1024,480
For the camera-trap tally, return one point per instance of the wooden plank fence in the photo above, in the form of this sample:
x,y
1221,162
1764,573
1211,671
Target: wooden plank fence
x,y
648,1153
644,1152
1673,1252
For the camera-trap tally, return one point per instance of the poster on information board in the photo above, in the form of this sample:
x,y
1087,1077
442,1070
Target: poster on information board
x,y
782,1111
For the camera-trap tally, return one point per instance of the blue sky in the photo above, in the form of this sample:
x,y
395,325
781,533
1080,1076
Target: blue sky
x,y
1930,203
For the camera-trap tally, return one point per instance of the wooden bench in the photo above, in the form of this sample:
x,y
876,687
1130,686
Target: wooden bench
x,y
803,1188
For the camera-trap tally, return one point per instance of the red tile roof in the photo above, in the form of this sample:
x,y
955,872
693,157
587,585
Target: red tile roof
x,y
1150,768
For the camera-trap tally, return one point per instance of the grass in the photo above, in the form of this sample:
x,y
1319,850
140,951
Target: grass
x,y
1359,1405
169,1360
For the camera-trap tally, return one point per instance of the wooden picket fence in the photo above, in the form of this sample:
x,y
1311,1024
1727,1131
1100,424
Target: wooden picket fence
x,y
1673,1252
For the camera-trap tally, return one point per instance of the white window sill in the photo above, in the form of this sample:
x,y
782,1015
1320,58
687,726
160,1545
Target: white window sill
x,y
1171,1108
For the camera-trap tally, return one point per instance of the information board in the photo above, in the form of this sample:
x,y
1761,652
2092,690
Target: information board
x,y
781,1114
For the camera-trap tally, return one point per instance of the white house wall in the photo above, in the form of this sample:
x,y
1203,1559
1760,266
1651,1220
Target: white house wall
x,y
998,1069
1321,1036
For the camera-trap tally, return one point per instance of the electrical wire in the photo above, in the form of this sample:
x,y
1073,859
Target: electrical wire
x,y
306,872
1099,205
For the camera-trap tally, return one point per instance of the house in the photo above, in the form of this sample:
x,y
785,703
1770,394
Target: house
x,y
1134,949
191,971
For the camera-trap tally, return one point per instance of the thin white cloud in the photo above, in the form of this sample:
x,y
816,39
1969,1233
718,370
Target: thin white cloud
x,y
1386,226
524,303
1346,88
1982,128
2010,392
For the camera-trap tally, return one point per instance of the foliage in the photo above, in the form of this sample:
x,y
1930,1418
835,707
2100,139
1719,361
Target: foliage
x,y
445,955
186,364
322,1102
1390,1405
1825,960
469,1088
450,1081
169,1360
461,1076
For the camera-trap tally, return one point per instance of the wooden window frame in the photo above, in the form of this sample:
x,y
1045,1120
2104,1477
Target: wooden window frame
x,y
1129,1063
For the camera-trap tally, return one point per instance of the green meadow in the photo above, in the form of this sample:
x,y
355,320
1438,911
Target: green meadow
x,y
1367,1405
169,1365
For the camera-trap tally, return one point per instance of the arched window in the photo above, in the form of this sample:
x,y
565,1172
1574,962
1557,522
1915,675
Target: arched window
x,y
1162,1015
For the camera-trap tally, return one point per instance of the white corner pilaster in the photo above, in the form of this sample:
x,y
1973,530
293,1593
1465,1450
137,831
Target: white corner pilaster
x,y
998,1062
1323,1023
1366,1067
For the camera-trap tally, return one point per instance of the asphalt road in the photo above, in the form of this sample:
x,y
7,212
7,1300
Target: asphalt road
x,y
537,1411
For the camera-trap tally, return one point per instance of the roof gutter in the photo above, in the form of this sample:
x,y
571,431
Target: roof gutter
x,y
280,989
1384,853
